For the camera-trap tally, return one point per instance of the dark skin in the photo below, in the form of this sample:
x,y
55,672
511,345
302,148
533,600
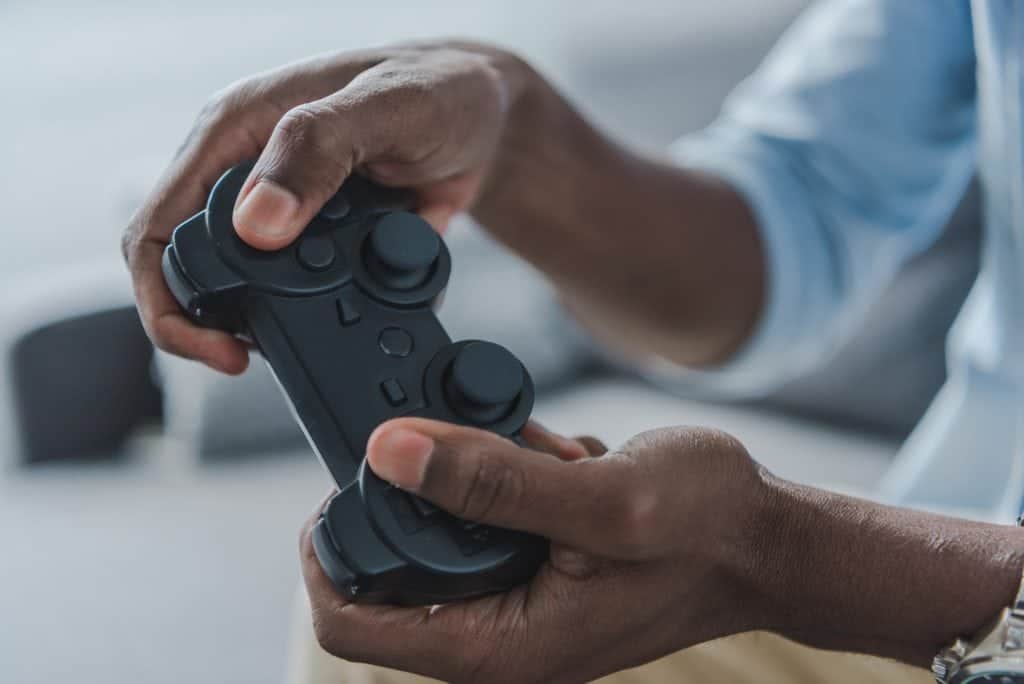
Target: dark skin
x,y
672,539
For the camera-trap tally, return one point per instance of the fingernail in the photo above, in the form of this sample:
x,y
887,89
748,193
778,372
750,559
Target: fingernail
x,y
400,457
267,210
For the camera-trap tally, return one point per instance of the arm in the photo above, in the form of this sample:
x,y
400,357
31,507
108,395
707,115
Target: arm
x,y
466,126
675,538
784,220
849,147
848,574
653,257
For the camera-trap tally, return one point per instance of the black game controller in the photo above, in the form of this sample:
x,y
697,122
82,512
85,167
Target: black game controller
x,y
344,317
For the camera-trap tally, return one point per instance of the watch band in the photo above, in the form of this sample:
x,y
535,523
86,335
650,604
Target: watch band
x,y
1018,602
949,660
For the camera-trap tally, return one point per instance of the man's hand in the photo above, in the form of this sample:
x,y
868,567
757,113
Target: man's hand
x,y
650,551
422,116
675,538
655,259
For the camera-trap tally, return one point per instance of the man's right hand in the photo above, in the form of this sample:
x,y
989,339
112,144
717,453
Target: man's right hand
x,y
428,117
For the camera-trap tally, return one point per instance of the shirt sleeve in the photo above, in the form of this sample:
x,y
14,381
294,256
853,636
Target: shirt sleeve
x,y
852,144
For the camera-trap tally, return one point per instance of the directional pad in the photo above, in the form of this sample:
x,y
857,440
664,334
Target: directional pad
x,y
348,313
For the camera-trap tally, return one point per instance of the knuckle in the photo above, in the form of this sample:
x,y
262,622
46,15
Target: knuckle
x,y
133,235
493,482
224,105
304,538
213,113
416,85
129,243
161,342
222,111
308,124
324,633
635,519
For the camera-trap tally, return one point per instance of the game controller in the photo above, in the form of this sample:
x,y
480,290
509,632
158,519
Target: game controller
x,y
344,318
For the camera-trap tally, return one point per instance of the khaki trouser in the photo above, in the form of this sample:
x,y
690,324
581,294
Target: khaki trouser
x,y
754,658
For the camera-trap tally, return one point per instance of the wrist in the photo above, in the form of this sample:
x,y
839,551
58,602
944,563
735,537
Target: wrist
x,y
844,573
518,82
522,94
754,556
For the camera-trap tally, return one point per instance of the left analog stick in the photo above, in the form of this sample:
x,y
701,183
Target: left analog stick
x,y
402,250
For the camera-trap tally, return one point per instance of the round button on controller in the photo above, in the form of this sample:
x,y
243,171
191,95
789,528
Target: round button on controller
x,y
316,252
336,208
484,382
402,248
395,342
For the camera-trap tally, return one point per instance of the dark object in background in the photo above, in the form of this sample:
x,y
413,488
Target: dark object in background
x,y
82,385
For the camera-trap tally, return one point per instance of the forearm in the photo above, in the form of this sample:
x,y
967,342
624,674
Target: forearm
x,y
655,259
849,574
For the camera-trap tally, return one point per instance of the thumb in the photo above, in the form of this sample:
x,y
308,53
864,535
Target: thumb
x,y
479,476
310,153
315,146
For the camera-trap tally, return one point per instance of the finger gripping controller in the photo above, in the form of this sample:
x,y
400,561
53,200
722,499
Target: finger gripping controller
x,y
344,318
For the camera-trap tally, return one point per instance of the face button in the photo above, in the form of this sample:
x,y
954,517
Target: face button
x,y
401,250
316,252
484,381
395,342
337,208
393,392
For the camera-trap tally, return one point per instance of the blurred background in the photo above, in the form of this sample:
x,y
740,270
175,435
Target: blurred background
x,y
148,509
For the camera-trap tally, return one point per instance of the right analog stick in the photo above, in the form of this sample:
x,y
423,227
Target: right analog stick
x,y
483,382
402,250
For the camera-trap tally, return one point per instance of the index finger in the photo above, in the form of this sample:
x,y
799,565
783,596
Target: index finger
x,y
232,129
180,194
416,639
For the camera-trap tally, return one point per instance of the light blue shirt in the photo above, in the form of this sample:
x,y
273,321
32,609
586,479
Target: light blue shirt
x,y
853,143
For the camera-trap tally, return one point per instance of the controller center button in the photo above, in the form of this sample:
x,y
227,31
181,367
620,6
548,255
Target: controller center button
x,y
484,382
395,342
393,392
402,249
316,252
336,208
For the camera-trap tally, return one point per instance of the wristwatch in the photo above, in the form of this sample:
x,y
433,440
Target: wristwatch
x,y
994,656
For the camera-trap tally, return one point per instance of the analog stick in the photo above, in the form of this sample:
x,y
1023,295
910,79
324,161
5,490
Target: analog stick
x,y
483,382
402,250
